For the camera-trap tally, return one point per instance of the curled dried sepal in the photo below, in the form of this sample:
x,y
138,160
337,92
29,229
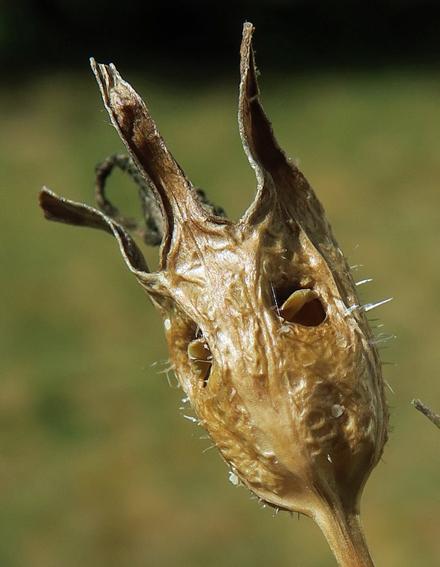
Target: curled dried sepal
x,y
63,210
129,114
283,193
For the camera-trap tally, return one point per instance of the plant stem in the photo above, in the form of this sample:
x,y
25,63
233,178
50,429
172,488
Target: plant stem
x,y
432,416
344,535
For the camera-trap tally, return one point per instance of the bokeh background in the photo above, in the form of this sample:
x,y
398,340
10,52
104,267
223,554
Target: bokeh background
x,y
98,467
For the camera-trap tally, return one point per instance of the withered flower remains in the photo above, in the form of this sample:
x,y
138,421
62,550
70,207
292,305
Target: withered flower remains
x,y
264,327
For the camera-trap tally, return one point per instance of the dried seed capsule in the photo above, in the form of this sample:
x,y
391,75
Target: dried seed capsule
x,y
261,320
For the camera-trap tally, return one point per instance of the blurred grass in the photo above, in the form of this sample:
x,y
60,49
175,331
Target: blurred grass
x,y
97,466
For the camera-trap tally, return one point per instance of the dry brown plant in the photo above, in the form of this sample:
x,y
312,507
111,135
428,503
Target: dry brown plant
x,y
265,330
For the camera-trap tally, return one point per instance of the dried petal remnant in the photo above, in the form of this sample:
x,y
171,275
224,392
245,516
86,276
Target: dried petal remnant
x,y
282,373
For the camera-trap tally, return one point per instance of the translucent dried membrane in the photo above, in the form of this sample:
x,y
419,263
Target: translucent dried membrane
x,y
284,377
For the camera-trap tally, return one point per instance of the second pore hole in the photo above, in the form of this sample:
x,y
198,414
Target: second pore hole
x,y
200,357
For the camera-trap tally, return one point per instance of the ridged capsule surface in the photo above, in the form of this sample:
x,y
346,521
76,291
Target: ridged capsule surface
x,y
261,317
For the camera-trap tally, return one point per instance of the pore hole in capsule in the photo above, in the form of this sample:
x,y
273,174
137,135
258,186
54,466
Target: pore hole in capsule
x,y
300,305
200,358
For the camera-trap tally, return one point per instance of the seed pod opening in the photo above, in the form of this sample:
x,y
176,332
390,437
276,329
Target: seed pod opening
x,y
302,306
200,357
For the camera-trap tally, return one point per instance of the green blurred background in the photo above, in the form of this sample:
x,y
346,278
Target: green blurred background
x,y
98,467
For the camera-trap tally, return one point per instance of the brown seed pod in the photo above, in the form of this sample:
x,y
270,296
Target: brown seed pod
x,y
262,320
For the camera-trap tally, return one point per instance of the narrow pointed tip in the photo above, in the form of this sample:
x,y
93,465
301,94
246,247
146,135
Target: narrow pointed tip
x,y
42,195
59,209
137,129
370,306
248,28
45,195
96,69
106,76
262,150
362,282
247,96
42,191
46,200
246,53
